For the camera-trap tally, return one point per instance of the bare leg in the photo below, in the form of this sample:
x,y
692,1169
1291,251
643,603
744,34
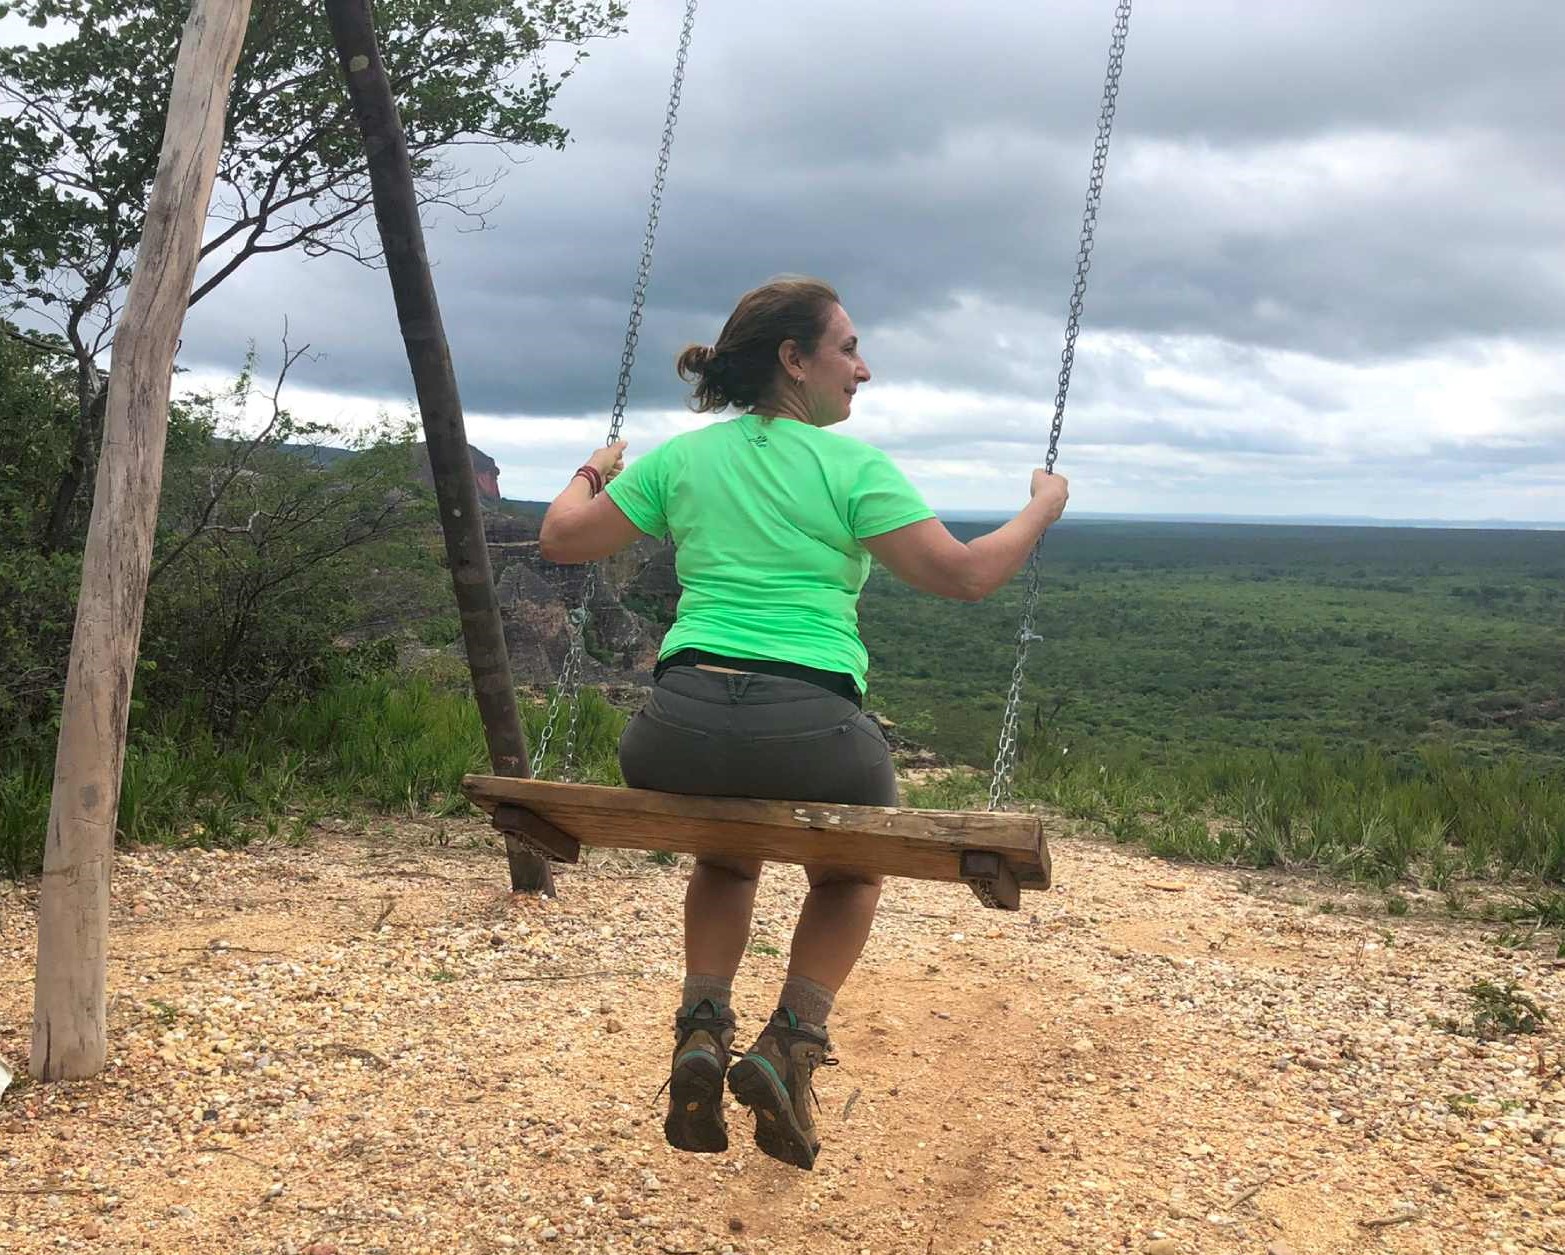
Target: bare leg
x,y
718,903
833,925
773,1078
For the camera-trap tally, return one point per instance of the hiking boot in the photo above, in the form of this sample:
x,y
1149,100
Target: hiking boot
x,y
703,1039
773,1080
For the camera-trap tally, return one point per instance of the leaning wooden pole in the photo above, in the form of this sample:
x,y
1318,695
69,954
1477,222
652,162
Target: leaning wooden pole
x,y
69,1040
440,405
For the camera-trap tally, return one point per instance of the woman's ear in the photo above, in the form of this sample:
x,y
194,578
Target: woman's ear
x,y
789,358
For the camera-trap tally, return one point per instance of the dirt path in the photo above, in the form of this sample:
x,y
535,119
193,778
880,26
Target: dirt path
x,y
369,1046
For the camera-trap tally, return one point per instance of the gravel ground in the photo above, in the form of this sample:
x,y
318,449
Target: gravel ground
x,y
368,1045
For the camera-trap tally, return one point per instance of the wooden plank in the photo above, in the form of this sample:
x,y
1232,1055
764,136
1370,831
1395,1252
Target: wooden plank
x,y
891,841
69,1002
519,821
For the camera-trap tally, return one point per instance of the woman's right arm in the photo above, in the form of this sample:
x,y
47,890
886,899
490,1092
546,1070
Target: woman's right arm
x,y
932,560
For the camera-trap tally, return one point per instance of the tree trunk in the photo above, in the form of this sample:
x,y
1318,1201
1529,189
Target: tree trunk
x,y
93,397
73,909
440,405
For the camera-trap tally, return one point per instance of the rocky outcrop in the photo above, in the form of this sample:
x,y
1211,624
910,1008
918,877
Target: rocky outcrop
x,y
630,611
486,474
486,471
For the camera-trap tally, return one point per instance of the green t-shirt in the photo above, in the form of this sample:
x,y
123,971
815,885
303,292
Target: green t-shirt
x,y
767,517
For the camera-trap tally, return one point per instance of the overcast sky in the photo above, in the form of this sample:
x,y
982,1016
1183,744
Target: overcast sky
x,y
1330,273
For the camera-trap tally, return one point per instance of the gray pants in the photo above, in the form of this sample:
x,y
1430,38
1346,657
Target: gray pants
x,y
753,735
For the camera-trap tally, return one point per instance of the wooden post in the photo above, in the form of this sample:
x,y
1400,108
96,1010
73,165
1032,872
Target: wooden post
x,y
440,406
69,1039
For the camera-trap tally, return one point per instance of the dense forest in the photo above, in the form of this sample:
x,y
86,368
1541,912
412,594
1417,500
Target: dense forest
x,y
1167,638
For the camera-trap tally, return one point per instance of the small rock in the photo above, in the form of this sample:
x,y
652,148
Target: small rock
x,y
1313,1062
1161,1246
549,1234
613,1026
735,1224
1279,1248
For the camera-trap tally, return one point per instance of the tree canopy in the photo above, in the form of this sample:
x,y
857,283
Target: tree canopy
x,y
81,120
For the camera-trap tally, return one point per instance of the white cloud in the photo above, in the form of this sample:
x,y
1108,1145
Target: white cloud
x,y
1330,278
1170,424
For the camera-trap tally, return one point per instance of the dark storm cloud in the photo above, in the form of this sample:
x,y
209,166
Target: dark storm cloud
x,y
1357,181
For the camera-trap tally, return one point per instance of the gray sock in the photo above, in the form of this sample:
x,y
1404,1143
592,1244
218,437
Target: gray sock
x,y
810,1001
718,991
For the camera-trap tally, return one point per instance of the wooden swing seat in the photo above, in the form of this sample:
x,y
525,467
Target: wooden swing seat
x,y
996,853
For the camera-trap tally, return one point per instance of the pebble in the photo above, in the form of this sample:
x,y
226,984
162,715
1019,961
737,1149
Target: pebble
x,y
1161,1246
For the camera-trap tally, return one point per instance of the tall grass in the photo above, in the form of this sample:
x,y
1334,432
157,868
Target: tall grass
x,y
386,744
400,745
1354,812
24,815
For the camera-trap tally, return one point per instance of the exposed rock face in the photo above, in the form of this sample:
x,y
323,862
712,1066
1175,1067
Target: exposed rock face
x,y
486,471
538,596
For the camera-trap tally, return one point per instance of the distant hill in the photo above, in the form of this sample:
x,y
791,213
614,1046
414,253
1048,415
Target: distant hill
x,y
523,509
486,471
994,517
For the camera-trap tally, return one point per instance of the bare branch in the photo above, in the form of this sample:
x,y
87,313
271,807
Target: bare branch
x,y
43,346
235,468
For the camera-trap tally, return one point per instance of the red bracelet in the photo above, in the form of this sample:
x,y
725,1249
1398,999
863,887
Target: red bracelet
x,y
593,476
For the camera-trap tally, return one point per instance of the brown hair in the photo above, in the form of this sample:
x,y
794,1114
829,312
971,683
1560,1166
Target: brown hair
x,y
742,366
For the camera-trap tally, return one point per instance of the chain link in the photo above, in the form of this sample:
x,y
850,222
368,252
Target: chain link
x,y
644,270
1006,750
563,696
569,682
579,632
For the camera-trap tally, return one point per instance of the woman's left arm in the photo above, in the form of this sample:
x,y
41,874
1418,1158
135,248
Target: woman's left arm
x,y
583,524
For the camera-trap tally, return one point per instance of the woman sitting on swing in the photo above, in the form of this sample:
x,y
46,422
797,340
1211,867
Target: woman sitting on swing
x,y
759,682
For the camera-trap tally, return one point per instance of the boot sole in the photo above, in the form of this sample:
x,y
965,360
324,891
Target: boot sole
x,y
695,1106
777,1130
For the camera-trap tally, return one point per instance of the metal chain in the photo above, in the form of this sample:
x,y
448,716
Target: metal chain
x,y
1005,752
644,270
573,682
566,689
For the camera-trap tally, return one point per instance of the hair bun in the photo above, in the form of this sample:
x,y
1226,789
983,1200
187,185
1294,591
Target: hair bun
x,y
696,361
